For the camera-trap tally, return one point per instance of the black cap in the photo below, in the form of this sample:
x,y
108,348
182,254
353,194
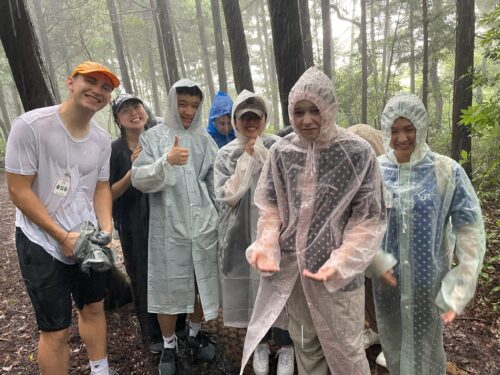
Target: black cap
x,y
121,99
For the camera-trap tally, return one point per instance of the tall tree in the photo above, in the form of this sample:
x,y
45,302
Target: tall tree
x,y
364,65
23,52
373,59
411,60
425,53
387,30
219,45
204,48
327,37
462,87
163,60
288,52
305,25
152,76
168,41
177,43
272,67
237,45
117,35
44,44
5,114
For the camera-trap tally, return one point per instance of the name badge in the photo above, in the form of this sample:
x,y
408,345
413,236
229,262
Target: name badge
x,y
62,186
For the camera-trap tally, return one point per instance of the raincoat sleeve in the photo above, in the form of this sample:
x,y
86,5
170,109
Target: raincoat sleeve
x,y
364,231
209,181
269,223
150,175
232,186
381,263
459,284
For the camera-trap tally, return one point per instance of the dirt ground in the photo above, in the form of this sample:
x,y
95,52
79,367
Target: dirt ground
x,y
472,342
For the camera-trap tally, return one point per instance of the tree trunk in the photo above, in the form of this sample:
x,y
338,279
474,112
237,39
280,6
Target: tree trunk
x,y
364,66
177,43
288,52
412,45
120,54
327,37
305,25
387,28
16,99
462,88
425,53
219,46
204,48
262,49
168,42
5,114
374,59
273,78
238,46
23,52
353,39
159,38
436,91
44,44
152,77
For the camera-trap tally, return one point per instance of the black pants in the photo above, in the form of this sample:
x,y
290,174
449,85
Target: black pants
x,y
280,336
135,252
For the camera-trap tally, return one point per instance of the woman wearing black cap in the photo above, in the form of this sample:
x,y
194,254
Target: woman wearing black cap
x,y
130,207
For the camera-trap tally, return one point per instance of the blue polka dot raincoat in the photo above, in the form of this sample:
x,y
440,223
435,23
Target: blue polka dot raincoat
x,y
433,216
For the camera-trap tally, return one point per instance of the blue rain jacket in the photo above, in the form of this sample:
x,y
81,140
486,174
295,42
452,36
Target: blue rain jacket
x,y
221,106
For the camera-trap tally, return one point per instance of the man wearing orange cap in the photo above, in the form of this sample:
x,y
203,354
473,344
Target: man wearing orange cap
x,y
57,164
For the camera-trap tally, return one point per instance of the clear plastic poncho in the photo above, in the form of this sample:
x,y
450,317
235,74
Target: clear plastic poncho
x,y
433,216
183,218
320,203
236,176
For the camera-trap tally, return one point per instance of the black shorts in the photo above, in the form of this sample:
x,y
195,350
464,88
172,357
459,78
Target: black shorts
x,y
51,283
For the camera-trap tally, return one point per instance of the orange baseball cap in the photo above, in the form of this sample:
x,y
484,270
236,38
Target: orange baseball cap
x,y
87,67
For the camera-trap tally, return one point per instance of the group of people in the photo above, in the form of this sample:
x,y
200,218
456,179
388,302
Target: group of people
x,y
278,231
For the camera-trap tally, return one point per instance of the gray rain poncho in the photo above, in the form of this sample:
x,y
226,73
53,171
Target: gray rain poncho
x,y
320,203
183,217
433,216
236,176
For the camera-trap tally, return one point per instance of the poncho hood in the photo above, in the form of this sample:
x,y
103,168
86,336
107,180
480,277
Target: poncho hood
x,y
221,106
316,87
242,97
172,119
410,107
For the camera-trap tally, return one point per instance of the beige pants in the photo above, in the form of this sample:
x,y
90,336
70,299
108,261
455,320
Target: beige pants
x,y
308,352
347,351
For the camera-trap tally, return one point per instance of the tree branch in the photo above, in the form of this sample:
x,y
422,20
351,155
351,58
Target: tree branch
x,y
344,18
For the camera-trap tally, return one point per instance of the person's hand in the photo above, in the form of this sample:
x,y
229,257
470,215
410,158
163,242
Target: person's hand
x,y
325,273
263,262
388,279
249,147
135,153
448,317
69,243
177,155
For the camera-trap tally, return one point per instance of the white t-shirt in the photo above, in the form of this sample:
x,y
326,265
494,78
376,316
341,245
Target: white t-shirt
x,y
40,144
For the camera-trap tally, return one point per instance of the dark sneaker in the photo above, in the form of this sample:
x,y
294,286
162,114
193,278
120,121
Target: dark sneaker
x,y
182,333
202,346
168,362
156,347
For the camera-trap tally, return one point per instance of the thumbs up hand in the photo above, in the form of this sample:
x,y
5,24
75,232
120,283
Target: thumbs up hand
x,y
177,155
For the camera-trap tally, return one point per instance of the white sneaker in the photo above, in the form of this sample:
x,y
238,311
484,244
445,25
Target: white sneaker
x,y
286,358
380,360
261,359
370,337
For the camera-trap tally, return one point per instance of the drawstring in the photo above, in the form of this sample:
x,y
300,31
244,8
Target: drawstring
x,y
403,202
302,334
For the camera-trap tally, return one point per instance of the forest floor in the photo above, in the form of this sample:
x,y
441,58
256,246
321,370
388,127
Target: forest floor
x,y
472,342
